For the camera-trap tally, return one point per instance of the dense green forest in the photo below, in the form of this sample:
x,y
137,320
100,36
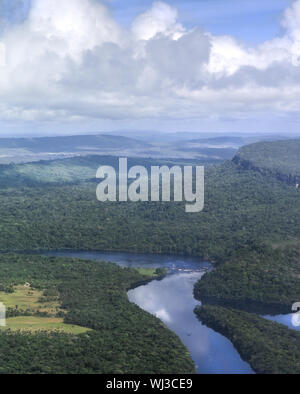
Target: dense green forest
x,y
74,170
242,208
269,347
124,338
279,158
258,279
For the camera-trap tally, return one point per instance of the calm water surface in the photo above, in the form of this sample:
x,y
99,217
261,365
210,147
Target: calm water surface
x,y
171,300
291,320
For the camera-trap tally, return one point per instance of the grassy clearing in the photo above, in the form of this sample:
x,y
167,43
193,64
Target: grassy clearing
x,y
152,272
147,271
26,300
35,323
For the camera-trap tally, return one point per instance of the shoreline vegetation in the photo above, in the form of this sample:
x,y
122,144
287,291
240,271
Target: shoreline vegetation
x,y
260,279
269,347
122,338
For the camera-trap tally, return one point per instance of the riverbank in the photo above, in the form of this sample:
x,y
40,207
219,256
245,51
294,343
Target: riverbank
x,y
123,337
269,347
259,279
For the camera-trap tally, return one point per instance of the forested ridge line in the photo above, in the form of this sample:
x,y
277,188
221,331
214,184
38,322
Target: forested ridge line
x,y
280,159
259,279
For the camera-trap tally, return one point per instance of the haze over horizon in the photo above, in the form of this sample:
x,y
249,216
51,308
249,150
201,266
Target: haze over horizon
x,y
90,66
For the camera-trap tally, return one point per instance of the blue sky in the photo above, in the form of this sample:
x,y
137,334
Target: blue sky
x,y
14,11
252,21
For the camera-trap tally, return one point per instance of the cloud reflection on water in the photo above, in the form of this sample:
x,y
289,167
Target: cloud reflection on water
x,y
172,301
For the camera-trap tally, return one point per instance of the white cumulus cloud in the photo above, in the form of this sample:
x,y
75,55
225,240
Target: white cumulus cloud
x,y
160,19
69,60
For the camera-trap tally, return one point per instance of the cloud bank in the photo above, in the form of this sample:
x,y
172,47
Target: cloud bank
x,y
70,61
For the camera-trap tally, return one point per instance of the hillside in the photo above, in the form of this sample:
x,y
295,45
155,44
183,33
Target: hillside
x,y
256,279
71,170
276,158
21,150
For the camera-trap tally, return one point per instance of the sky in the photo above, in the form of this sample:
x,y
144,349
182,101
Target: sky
x,y
250,20
84,66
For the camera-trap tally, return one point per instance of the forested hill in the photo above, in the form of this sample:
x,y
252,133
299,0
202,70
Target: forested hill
x,y
74,169
277,158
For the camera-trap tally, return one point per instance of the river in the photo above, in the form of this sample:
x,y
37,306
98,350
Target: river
x,y
171,299
291,320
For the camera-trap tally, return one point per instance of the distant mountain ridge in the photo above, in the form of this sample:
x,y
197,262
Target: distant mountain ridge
x,y
22,150
220,140
71,143
205,147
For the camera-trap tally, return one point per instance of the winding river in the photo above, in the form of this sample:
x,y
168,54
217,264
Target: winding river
x,y
171,299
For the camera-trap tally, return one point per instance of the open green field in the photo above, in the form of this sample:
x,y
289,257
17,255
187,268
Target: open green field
x,y
28,301
26,298
151,272
36,323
